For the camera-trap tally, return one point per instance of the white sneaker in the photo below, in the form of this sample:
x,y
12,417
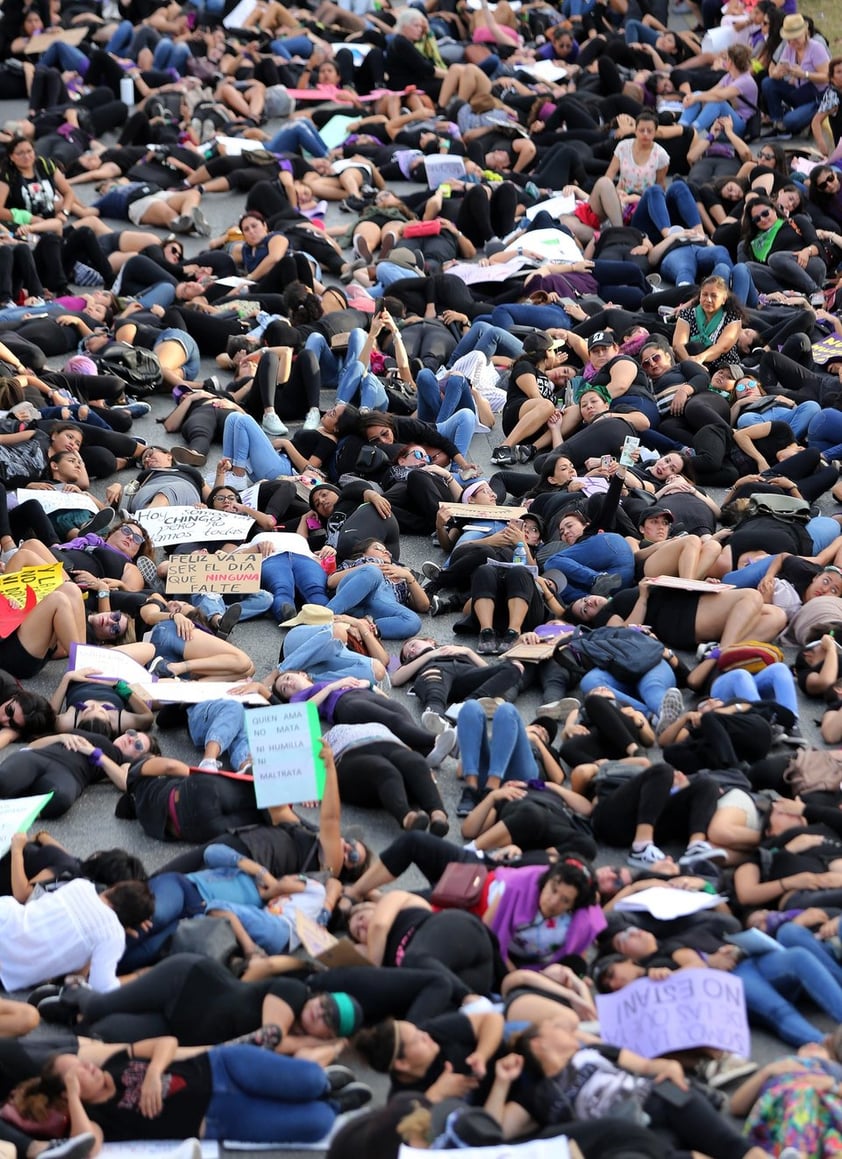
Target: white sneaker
x,y
433,722
272,425
189,1149
78,1147
726,1069
201,225
209,764
443,747
312,419
646,857
702,851
672,706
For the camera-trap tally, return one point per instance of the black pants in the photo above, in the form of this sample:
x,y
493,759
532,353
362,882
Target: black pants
x,y
26,521
37,771
206,810
649,800
696,1124
390,775
502,584
430,855
539,821
457,941
414,995
803,381
18,272
364,523
607,1138
361,706
415,502
611,734
291,399
203,426
451,681
722,742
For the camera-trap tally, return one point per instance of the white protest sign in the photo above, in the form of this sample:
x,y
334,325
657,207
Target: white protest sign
x,y
168,525
109,663
555,1148
285,741
551,245
194,691
554,206
442,168
665,904
16,815
57,500
691,1008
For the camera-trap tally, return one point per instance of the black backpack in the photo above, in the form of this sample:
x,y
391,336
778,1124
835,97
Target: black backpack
x,y
138,368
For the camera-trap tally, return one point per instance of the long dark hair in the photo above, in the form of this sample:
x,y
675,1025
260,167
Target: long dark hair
x,y
576,872
749,227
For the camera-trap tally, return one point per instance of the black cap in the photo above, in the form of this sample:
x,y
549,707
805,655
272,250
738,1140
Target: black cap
x,y
601,338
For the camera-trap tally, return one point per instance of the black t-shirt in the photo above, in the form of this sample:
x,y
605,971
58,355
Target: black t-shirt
x,y
186,1088
282,849
800,573
640,384
456,1038
515,395
103,562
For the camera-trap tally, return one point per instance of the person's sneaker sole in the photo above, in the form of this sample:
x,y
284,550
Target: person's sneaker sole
x,y
187,457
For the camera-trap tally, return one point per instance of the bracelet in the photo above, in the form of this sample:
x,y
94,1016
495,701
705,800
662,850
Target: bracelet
x,y
95,756
103,594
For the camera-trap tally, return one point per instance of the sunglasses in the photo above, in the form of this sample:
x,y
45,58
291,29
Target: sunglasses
x,y
115,623
421,456
827,182
750,385
652,358
758,217
134,536
766,156
9,712
136,739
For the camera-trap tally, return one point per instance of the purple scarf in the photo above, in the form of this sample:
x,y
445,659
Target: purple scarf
x,y
519,905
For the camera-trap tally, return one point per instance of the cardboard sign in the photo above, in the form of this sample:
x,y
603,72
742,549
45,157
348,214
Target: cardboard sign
x,y
532,653
193,691
58,500
168,525
36,45
21,590
285,741
462,511
690,1009
324,948
16,815
219,572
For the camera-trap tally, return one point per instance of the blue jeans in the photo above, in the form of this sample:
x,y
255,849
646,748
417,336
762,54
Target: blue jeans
x,y
798,418
221,721
638,33
188,344
825,433
290,46
507,755
685,264
297,136
489,340
791,934
702,115
772,683
66,58
121,39
435,403
387,273
365,591
646,695
253,604
801,102
525,314
161,294
176,897
768,977
349,376
584,561
168,54
657,211
244,443
266,1097
287,572
459,428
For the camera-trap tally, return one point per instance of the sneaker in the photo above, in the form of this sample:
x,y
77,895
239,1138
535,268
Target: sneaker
x,y
338,1076
503,454
701,851
442,748
433,722
646,857
209,765
441,604
524,452
79,1147
312,419
487,645
508,640
136,408
352,204
201,225
559,709
467,802
707,651
368,192
182,224
606,583
672,706
654,280
99,522
273,426
228,621
430,570
718,1072
160,668
351,1097
187,457
490,704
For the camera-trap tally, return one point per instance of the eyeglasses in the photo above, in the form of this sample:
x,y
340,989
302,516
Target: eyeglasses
x,y
224,495
751,384
136,739
764,213
827,182
135,536
652,358
765,156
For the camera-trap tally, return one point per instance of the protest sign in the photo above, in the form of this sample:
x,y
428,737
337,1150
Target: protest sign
x,y
691,1008
285,742
108,663
193,691
222,572
329,952
16,815
462,511
57,500
704,587
442,168
168,525
555,1148
666,904
21,590
38,44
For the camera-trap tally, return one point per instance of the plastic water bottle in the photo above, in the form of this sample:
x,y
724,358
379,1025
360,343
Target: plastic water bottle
x,y
127,91
520,557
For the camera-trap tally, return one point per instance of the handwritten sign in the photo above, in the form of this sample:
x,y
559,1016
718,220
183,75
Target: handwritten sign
x,y
690,1009
16,815
828,348
532,653
330,952
193,691
107,663
285,742
168,525
442,168
218,572
462,511
21,590
57,500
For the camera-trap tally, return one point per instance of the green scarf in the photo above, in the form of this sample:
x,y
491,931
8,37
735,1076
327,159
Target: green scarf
x,y
707,328
762,244
428,47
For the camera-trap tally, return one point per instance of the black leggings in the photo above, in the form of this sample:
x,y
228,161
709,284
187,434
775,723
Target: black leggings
x,y
722,742
361,706
390,775
538,821
648,800
440,684
457,941
37,771
203,426
206,810
503,584
414,995
291,399
430,855
611,734
26,521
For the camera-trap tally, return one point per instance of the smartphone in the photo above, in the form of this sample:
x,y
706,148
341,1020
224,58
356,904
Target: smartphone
x,y
672,1093
630,445
606,460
